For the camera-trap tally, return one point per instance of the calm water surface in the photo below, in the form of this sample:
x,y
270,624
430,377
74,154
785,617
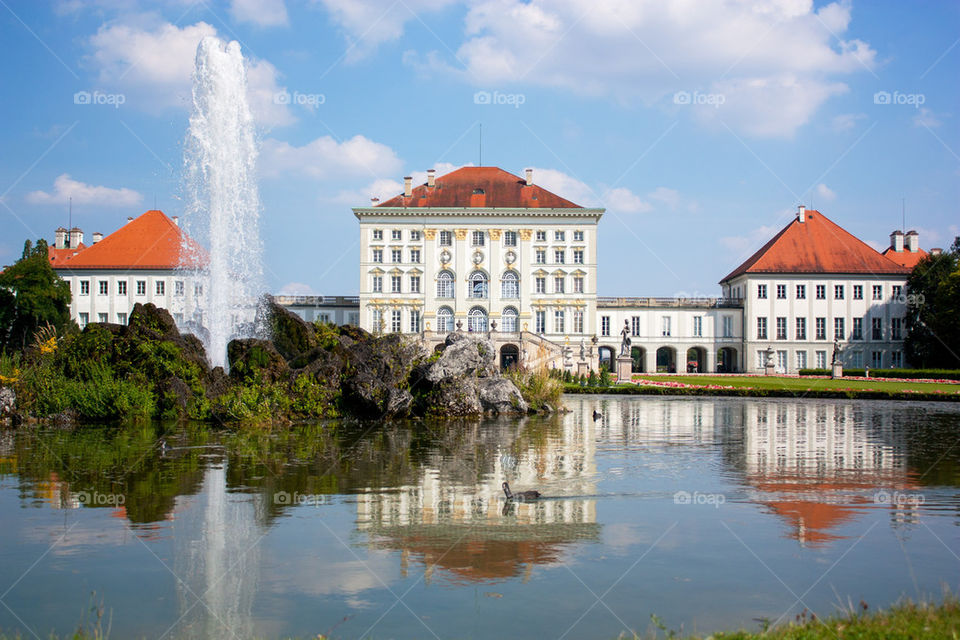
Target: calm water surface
x,y
709,513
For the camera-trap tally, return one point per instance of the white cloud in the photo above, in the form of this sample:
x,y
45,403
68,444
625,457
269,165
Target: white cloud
x,y
325,158
926,118
65,188
386,188
670,197
297,289
825,193
846,121
623,200
153,66
263,13
778,62
745,245
566,186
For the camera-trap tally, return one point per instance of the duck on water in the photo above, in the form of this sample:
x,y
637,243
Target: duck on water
x,y
520,495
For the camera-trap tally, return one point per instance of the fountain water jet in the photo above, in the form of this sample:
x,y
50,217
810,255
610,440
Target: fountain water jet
x,y
223,204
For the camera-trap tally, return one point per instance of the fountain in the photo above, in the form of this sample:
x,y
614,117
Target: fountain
x,y
223,205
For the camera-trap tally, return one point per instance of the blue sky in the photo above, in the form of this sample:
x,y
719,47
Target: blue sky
x,y
699,125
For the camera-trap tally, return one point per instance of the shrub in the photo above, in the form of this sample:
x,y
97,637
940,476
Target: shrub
x,y
920,374
605,378
539,388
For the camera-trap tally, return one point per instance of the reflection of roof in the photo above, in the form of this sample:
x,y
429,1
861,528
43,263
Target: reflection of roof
x,y
478,552
817,245
489,187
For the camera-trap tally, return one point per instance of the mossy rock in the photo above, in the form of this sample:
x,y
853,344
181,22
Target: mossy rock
x,y
255,360
290,334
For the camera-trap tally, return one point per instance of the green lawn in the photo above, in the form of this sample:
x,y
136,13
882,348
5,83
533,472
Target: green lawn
x,y
804,383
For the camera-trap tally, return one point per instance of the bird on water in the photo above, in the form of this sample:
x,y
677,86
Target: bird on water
x,y
596,415
521,495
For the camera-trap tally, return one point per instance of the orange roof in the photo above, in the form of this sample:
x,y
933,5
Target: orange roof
x,y
905,258
151,241
59,256
817,245
487,187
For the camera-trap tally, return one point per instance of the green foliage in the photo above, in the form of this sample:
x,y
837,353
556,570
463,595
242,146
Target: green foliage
x,y
31,296
918,374
592,379
933,311
540,388
328,334
605,379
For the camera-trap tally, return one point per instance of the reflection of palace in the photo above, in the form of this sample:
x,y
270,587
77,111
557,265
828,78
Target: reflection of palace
x,y
456,516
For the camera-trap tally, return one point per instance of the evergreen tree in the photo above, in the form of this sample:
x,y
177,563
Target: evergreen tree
x,y
933,312
31,296
605,377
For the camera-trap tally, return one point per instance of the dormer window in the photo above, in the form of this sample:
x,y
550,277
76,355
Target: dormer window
x,y
478,192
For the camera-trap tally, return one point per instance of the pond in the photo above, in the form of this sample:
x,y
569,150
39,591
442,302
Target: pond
x,y
709,513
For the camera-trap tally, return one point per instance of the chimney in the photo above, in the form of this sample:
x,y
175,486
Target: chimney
x,y
431,177
76,237
408,186
936,251
129,219
176,220
97,237
61,238
529,177
801,213
374,201
913,241
896,241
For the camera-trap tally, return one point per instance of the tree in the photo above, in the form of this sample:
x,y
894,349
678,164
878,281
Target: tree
x,y
933,311
31,296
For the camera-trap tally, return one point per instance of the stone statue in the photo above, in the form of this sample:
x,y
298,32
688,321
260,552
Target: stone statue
x,y
837,350
770,352
583,352
625,343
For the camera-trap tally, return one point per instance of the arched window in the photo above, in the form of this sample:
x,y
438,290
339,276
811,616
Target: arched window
x,y
510,286
445,285
508,320
477,320
445,320
478,284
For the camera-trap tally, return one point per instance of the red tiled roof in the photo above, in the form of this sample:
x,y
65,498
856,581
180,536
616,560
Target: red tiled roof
x,y
908,259
151,241
817,245
489,187
58,257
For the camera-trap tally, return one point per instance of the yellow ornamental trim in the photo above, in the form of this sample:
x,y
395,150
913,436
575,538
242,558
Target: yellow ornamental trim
x,y
525,234
461,234
429,234
494,234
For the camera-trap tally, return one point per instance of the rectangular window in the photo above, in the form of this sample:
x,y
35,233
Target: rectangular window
x,y
559,256
541,256
821,359
395,321
415,256
577,321
141,287
415,236
858,292
559,236
821,292
578,256
605,325
781,328
509,238
324,318
376,321
415,321
578,236
897,293
396,234
578,284
541,284
446,238
121,318
727,326
895,328
558,284
856,359
782,361
839,331
876,329
665,326
395,286
697,326
178,288
478,238
161,287
762,291
802,294
896,359
396,256
761,328
378,284
84,287
635,326
821,328
558,324
801,360
541,236
414,284
84,319
781,292
856,332
378,255
540,321
103,288
378,234
122,288
801,333
876,359
838,292
877,292
102,318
